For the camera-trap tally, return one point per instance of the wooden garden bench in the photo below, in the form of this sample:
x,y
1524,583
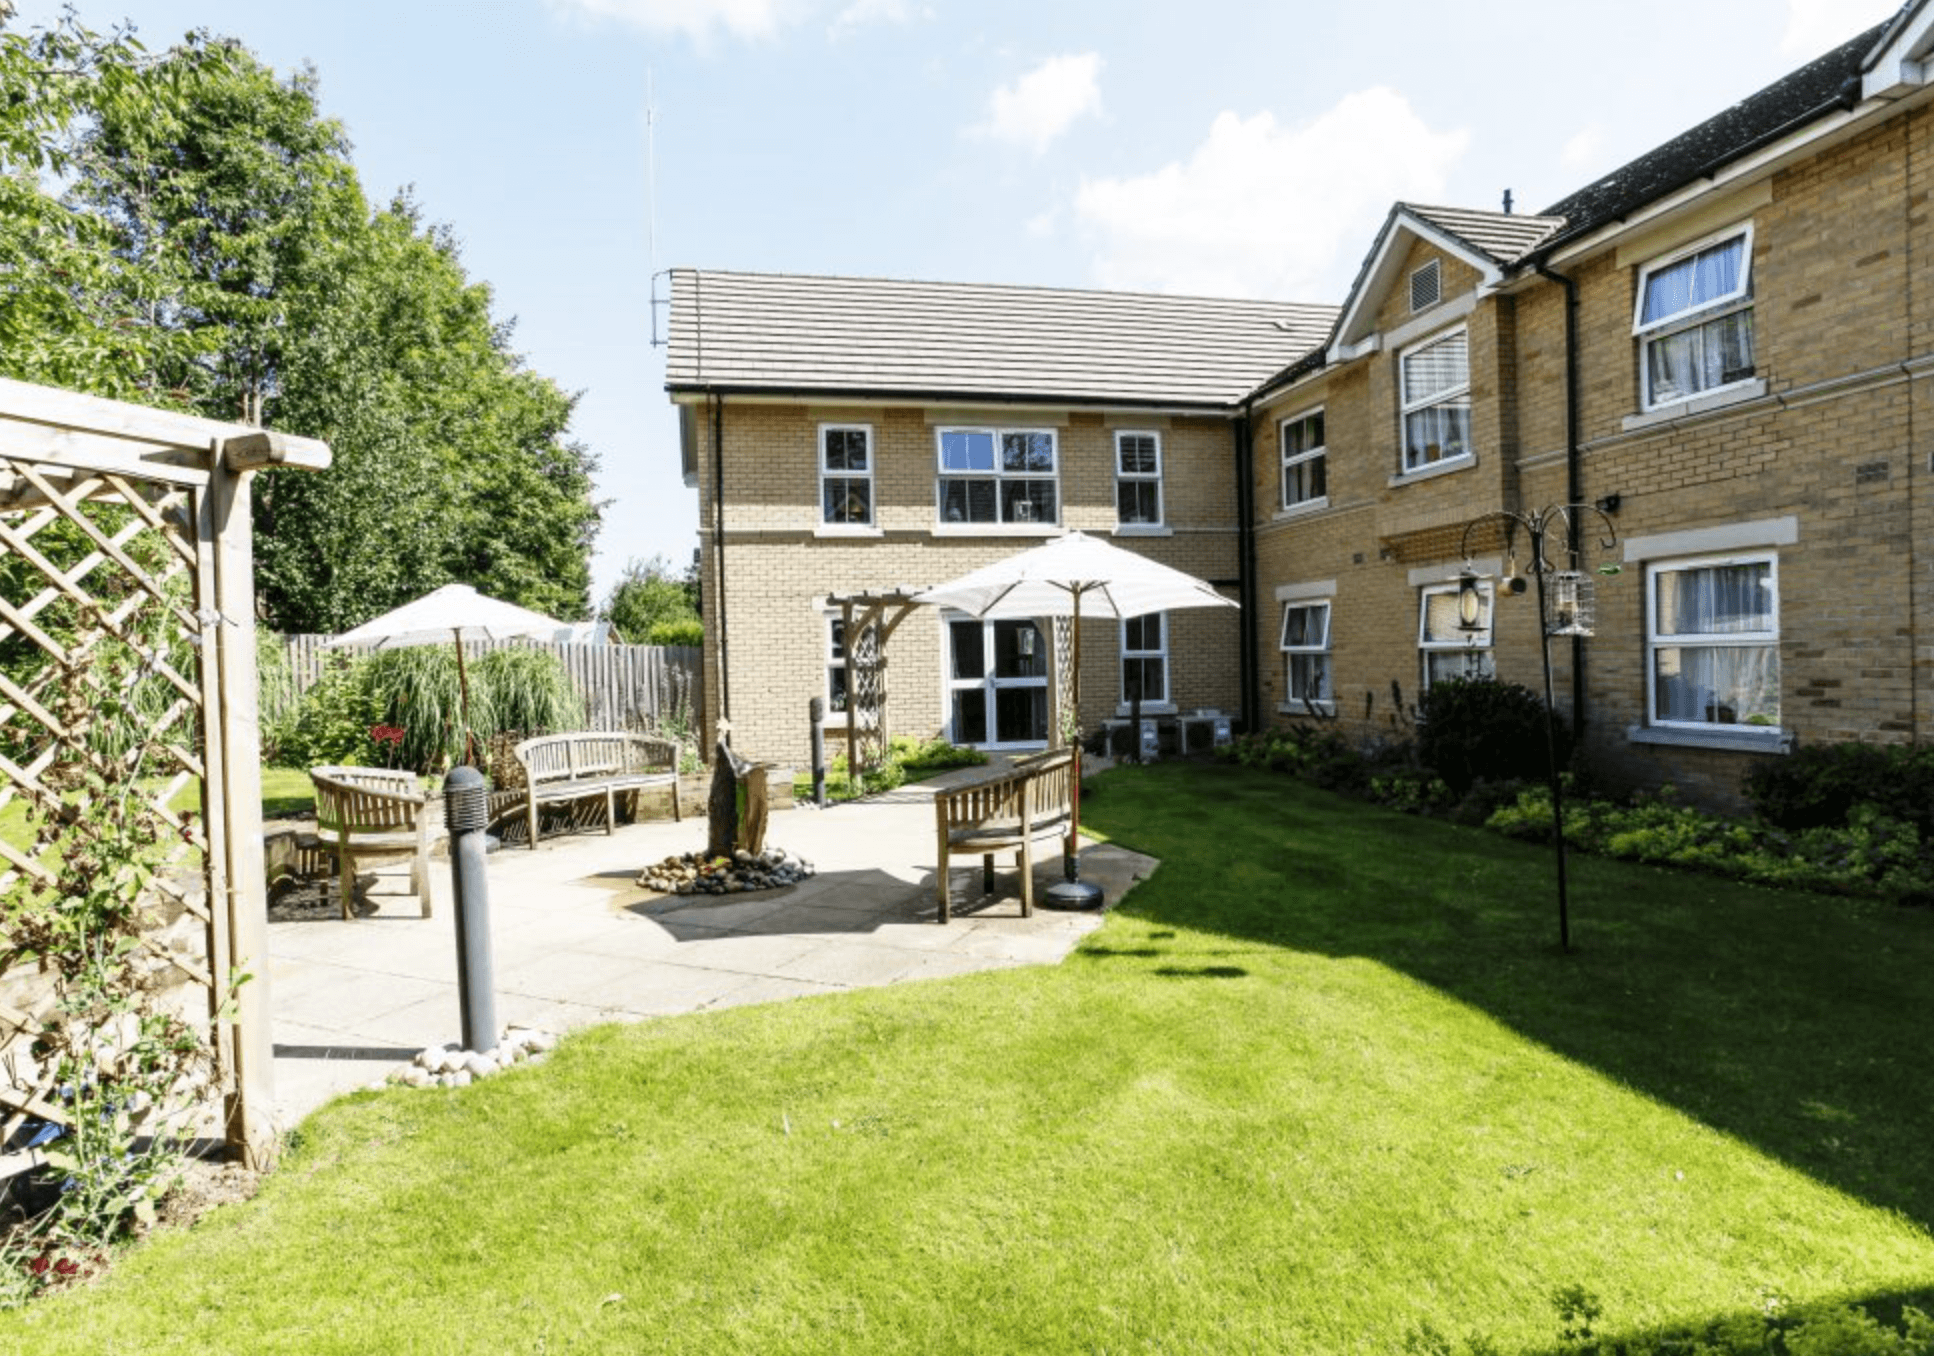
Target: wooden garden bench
x,y
570,767
1031,800
364,812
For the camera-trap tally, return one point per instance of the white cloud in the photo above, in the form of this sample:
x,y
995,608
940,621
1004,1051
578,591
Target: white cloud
x,y
1582,153
861,13
694,18
1044,103
1262,210
1814,27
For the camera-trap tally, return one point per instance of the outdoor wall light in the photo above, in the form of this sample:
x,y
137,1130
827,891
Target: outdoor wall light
x,y
1470,603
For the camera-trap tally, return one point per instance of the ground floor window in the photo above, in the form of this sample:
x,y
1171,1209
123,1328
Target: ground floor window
x,y
1306,652
1449,648
1144,658
997,683
837,697
1712,640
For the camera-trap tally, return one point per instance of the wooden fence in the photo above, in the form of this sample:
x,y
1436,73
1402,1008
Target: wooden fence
x,y
625,687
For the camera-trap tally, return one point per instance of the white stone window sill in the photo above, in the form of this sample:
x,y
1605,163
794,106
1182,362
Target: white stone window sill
x,y
1736,394
1144,530
1122,711
1304,708
996,529
1735,738
848,530
1302,510
1431,472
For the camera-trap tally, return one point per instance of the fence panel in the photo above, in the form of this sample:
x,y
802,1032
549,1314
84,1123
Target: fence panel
x,y
625,687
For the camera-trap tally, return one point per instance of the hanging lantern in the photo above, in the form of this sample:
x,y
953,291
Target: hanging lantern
x,y
1570,605
1470,603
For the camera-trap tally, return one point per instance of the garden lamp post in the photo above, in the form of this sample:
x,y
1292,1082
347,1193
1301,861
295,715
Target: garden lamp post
x,y
1565,608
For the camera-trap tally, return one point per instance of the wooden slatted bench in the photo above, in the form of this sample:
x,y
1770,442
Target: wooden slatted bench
x,y
569,767
364,812
1033,799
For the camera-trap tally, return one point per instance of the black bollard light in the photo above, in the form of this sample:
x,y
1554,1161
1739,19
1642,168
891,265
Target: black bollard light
x,y
466,812
816,713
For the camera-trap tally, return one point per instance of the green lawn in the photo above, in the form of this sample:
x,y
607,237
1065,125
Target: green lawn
x,y
285,791
1322,1083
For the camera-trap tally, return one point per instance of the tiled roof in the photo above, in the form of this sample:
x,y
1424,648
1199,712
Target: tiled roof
x,y
1501,235
869,336
1785,105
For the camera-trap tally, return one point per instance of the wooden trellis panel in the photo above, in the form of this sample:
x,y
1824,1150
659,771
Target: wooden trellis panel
x,y
124,538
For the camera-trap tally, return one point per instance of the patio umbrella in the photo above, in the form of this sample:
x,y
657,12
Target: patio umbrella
x,y
455,613
1065,577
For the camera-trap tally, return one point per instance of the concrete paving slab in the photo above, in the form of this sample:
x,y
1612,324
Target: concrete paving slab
x,y
575,942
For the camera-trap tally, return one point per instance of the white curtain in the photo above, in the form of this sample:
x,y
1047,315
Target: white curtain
x,y
1694,282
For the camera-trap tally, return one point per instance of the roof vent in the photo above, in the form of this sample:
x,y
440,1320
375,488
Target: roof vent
x,y
1426,287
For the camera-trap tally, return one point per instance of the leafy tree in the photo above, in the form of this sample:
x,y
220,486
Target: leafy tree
x,y
212,249
74,310
650,594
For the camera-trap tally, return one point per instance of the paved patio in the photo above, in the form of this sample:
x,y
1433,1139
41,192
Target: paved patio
x,y
576,942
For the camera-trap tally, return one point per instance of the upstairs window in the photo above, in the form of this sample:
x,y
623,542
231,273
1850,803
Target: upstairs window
x,y
1436,393
1450,651
1305,463
1138,479
1306,654
990,475
1694,320
846,474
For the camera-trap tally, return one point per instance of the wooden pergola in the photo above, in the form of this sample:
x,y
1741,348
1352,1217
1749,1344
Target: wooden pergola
x,y
868,620
118,521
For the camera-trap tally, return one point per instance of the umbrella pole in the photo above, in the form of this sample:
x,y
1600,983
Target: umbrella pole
x,y
1072,892
463,685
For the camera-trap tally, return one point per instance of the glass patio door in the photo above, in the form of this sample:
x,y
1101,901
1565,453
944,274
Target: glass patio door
x,y
997,683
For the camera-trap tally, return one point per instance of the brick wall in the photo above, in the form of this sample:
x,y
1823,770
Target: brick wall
x,y
779,566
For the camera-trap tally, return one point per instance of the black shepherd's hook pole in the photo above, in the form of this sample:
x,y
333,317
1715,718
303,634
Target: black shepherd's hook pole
x,y
1535,526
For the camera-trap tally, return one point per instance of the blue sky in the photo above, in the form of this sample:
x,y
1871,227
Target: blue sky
x,y
1211,148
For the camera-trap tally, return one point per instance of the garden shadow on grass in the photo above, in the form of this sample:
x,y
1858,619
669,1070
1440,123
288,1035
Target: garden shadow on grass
x,y
1886,1306
1791,1021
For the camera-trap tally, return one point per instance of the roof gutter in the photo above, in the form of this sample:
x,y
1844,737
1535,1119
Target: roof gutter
x,y
1845,99
1224,409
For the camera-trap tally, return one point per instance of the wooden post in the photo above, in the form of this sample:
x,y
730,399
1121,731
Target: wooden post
x,y
249,1116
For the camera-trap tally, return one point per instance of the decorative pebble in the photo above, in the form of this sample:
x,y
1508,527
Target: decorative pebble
x,y
446,1066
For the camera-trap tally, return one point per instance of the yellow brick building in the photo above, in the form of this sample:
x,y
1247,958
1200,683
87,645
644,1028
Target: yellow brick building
x,y
1721,348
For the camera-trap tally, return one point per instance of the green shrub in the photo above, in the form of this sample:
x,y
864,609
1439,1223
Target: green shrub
x,y
530,692
1815,786
685,631
1478,729
933,754
1873,855
330,725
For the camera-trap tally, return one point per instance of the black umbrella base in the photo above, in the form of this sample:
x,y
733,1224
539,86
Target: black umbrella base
x,y
1071,894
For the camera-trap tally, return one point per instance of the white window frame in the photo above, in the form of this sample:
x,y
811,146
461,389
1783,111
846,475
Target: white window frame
x,y
1479,641
990,682
1739,299
1408,407
1167,700
1318,453
1692,640
836,660
999,476
1123,476
828,474
1293,700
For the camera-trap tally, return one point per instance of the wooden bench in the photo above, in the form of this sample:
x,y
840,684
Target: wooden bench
x,y
1008,812
364,812
568,767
